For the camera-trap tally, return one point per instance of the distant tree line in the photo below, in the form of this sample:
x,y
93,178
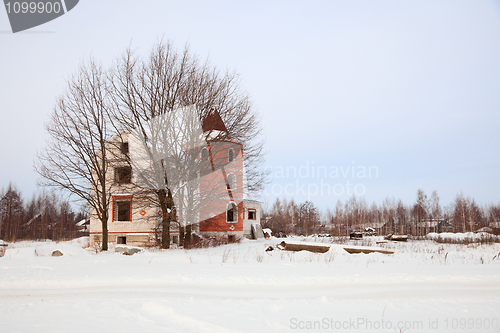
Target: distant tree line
x,y
45,216
425,215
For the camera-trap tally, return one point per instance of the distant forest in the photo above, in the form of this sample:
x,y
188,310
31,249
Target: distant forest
x,y
45,216
48,216
393,216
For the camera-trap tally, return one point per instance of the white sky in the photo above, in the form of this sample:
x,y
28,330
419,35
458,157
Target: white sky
x,y
409,88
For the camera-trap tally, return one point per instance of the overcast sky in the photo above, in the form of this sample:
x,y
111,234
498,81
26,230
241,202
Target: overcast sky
x,y
404,93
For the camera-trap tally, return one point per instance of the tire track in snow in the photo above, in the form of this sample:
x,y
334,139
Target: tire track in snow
x,y
426,289
169,317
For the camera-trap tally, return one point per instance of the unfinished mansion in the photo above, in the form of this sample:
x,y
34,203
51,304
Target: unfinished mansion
x,y
134,218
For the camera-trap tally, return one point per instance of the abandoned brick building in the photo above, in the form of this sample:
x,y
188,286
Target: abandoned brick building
x,y
134,218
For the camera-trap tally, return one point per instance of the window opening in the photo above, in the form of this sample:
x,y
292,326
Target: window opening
x,y
231,182
123,175
124,148
204,154
232,212
122,209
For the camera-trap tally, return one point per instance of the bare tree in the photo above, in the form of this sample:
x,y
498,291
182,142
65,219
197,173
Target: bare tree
x,y
76,157
466,214
309,218
435,208
281,217
168,80
420,211
144,89
11,213
339,218
402,217
389,215
493,215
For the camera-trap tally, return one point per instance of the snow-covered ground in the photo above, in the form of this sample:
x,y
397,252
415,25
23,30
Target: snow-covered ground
x,y
424,287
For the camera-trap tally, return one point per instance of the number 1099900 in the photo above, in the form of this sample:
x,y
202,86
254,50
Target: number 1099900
x,y
33,7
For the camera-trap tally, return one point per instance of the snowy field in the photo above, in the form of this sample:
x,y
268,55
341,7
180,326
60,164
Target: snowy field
x,y
424,287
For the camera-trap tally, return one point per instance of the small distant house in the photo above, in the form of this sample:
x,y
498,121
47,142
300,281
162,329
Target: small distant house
x,y
83,226
427,226
495,226
135,219
434,225
379,227
445,226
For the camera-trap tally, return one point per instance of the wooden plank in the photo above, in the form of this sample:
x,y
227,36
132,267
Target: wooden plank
x,y
323,248
366,250
316,248
397,238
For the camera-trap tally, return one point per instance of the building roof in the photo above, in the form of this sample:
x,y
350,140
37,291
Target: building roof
x,y
213,122
429,223
83,222
494,224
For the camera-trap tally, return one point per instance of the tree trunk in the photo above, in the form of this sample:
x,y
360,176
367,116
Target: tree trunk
x,y
165,235
104,215
181,235
104,221
187,237
165,198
